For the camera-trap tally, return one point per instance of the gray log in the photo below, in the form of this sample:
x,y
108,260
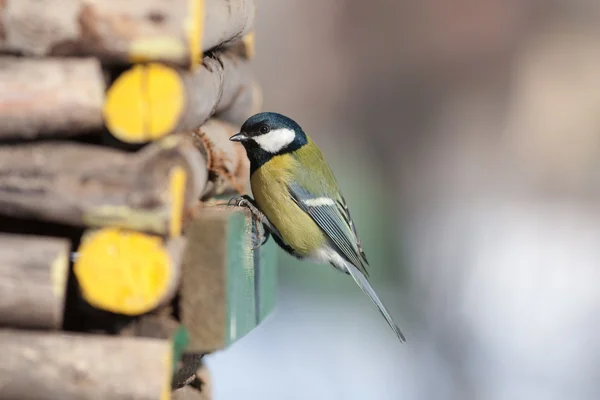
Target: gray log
x,y
33,280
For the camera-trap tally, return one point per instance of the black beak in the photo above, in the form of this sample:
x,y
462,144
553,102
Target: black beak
x,y
239,137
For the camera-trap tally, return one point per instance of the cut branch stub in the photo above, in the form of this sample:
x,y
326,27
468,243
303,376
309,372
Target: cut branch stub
x,y
85,185
243,47
48,366
128,273
176,31
150,101
190,363
199,387
33,280
227,162
49,97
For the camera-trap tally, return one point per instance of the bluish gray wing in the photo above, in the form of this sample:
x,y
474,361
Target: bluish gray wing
x,y
331,215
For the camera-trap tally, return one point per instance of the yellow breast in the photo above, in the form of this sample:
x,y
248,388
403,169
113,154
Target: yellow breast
x,y
270,191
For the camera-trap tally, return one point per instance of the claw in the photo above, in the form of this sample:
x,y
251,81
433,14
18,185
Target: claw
x,y
261,237
257,217
267,234
235,201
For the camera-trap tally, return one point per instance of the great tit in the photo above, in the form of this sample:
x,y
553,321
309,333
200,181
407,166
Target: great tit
x,y
297,198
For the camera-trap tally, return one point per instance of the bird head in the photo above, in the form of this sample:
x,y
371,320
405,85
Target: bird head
x,y
270,133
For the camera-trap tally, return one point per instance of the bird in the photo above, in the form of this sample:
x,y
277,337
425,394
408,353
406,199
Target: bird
x,y
298,200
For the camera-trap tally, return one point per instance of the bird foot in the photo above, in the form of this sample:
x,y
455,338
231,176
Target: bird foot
x,y
259,236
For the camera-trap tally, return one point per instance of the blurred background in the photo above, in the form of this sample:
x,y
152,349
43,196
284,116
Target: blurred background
x,y
466,138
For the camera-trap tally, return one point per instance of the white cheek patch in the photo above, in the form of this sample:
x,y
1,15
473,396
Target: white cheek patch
x,y
275,140
319,202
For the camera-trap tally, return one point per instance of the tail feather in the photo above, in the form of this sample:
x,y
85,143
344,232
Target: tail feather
x,y
366,287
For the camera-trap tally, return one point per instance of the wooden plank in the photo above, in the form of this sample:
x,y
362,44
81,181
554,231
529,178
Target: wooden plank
x,y
49,366
33,279
222,298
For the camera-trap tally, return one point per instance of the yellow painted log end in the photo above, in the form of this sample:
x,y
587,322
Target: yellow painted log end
x,y
248,41
122,271
145,103
195,30
168,368
59,273
157,48
177,182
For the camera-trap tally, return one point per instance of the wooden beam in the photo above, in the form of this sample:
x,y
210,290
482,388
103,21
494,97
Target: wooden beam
x,y
152,100
176,31
49,97
33,279
126,272
48,366
85,185
222,297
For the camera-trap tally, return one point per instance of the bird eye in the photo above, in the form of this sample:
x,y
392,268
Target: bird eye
x,y
264,129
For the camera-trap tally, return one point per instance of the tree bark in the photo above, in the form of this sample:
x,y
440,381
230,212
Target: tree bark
x,y
175,31
242,96
49,97
227,21
49,366
33,279
86,185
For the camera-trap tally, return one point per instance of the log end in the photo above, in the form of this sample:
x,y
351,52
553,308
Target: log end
x,y
168,360
59,274
177,186
195,30
124,272
244,47
144,103
157,48
248,41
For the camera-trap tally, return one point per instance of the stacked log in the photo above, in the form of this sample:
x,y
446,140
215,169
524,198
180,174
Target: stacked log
x,y
120,267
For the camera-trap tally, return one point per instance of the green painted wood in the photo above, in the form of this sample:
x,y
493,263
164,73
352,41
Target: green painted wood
x,y
267,287
227,288
251,278
181,339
